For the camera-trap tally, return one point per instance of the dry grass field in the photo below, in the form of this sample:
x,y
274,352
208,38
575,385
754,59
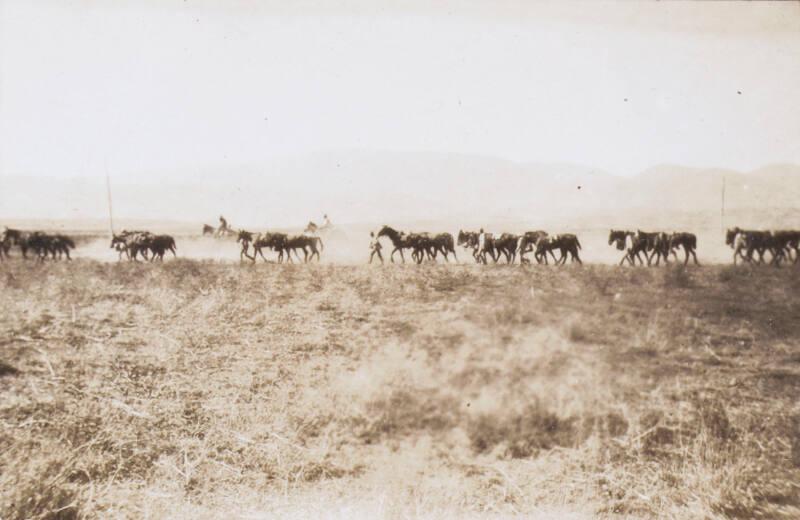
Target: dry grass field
x,y
200,389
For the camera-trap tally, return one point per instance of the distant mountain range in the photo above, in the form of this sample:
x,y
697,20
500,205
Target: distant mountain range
x,y
423,188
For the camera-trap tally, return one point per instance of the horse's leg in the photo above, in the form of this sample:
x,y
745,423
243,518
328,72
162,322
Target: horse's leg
x,y
694,256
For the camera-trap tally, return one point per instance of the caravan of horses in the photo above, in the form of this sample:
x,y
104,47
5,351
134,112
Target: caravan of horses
x,y
650,248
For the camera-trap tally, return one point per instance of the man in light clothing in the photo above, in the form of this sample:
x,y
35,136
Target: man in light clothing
x,y
375,247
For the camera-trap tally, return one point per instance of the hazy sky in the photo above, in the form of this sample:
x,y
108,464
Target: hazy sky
x,y
166,87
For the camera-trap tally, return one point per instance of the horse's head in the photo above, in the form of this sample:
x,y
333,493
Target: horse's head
x,y
13,234
244,236
730,236
618,238
386,231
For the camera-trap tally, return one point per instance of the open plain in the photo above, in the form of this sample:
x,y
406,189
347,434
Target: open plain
x,y
204,389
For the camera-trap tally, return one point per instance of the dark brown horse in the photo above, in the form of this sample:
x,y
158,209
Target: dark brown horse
x,y
506,244
159,245
5,246
445,244
208,230
751,241
275,241
567,244
527,243
18,238
787,245
132,243
688,241
306,243
399,241
651,242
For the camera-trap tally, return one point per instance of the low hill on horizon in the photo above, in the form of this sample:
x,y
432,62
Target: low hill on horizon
x,y
370,188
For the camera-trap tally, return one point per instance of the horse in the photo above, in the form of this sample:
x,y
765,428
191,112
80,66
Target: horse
x,y
399,240
303,242
443,243
468,239
160,244
19,239
274,241
651,243
686,240
527,242
567,244
58,246
421,245
620,238
5,246
131,243
661,248
507,245
751,240
40,243
472,239
786,242
208,230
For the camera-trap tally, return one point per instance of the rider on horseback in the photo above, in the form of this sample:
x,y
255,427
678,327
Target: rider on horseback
x,y
223,226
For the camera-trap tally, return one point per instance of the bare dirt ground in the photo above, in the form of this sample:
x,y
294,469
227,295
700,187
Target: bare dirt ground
x,y
199,389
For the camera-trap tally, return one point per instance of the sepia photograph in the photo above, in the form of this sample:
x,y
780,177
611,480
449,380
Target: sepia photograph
x,y
373,259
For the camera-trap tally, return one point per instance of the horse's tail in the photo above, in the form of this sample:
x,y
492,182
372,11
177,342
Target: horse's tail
x,y
578,243
693,241
70,243
321,245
